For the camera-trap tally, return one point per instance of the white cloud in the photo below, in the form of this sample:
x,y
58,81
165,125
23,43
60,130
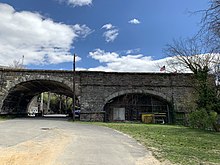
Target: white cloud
x,y
112,61
134,21
39,39
103,56
111,35
111,32
81,30
77,2
131,51
108,26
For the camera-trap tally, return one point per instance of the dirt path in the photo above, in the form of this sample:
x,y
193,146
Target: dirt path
x,y
38,151
58,142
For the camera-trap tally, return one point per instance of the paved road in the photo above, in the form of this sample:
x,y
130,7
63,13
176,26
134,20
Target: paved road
x,y
61,142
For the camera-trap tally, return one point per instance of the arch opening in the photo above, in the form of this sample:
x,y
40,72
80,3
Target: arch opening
x,y
21,95
131,107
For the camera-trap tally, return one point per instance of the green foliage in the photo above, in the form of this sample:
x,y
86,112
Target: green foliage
x,y
181,119
55,100
180,145
6,117
202,119
207,98
208,103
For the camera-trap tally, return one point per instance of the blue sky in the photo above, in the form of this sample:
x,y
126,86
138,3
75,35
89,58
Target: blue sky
x,y
107,35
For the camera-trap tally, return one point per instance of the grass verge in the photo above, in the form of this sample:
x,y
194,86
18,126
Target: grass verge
x,y
178,144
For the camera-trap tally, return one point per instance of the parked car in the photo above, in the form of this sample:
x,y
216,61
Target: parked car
x,y
77,113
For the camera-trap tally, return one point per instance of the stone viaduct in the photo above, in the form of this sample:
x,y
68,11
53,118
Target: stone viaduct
x,y
94,89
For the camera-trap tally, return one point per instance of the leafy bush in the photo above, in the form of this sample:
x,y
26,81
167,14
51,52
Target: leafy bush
x,y
203,120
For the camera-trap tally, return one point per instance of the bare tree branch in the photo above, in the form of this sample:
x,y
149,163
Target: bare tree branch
x,y
17,65
192,55
211,25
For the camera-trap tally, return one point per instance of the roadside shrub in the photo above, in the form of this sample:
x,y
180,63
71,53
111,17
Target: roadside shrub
x,y
216,124
203,120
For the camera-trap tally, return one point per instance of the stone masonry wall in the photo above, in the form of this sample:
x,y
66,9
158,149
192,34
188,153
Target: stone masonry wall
x,y
96,88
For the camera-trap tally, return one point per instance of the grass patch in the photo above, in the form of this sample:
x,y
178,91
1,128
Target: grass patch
x,y
6,117
178,144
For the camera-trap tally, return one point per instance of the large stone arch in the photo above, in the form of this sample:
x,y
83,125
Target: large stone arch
x,y
138,91
18,84
147,101
25,78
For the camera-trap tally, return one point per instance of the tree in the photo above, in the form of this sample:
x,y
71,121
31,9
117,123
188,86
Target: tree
x,y
201,56
211,25
191,55
58,103
211,17
17,64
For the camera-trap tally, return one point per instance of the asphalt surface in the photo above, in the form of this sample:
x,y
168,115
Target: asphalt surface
x,y
84,144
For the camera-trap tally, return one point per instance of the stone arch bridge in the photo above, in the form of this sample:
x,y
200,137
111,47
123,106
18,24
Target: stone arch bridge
x,y
98,92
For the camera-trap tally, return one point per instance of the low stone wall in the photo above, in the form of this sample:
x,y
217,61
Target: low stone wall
x,y
92,116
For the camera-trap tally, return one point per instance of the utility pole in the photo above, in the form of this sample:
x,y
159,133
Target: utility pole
x,y
42,103
74,84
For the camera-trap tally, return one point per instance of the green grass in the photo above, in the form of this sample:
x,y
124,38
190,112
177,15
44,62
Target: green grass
x,y
178,144
6,117
2,118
